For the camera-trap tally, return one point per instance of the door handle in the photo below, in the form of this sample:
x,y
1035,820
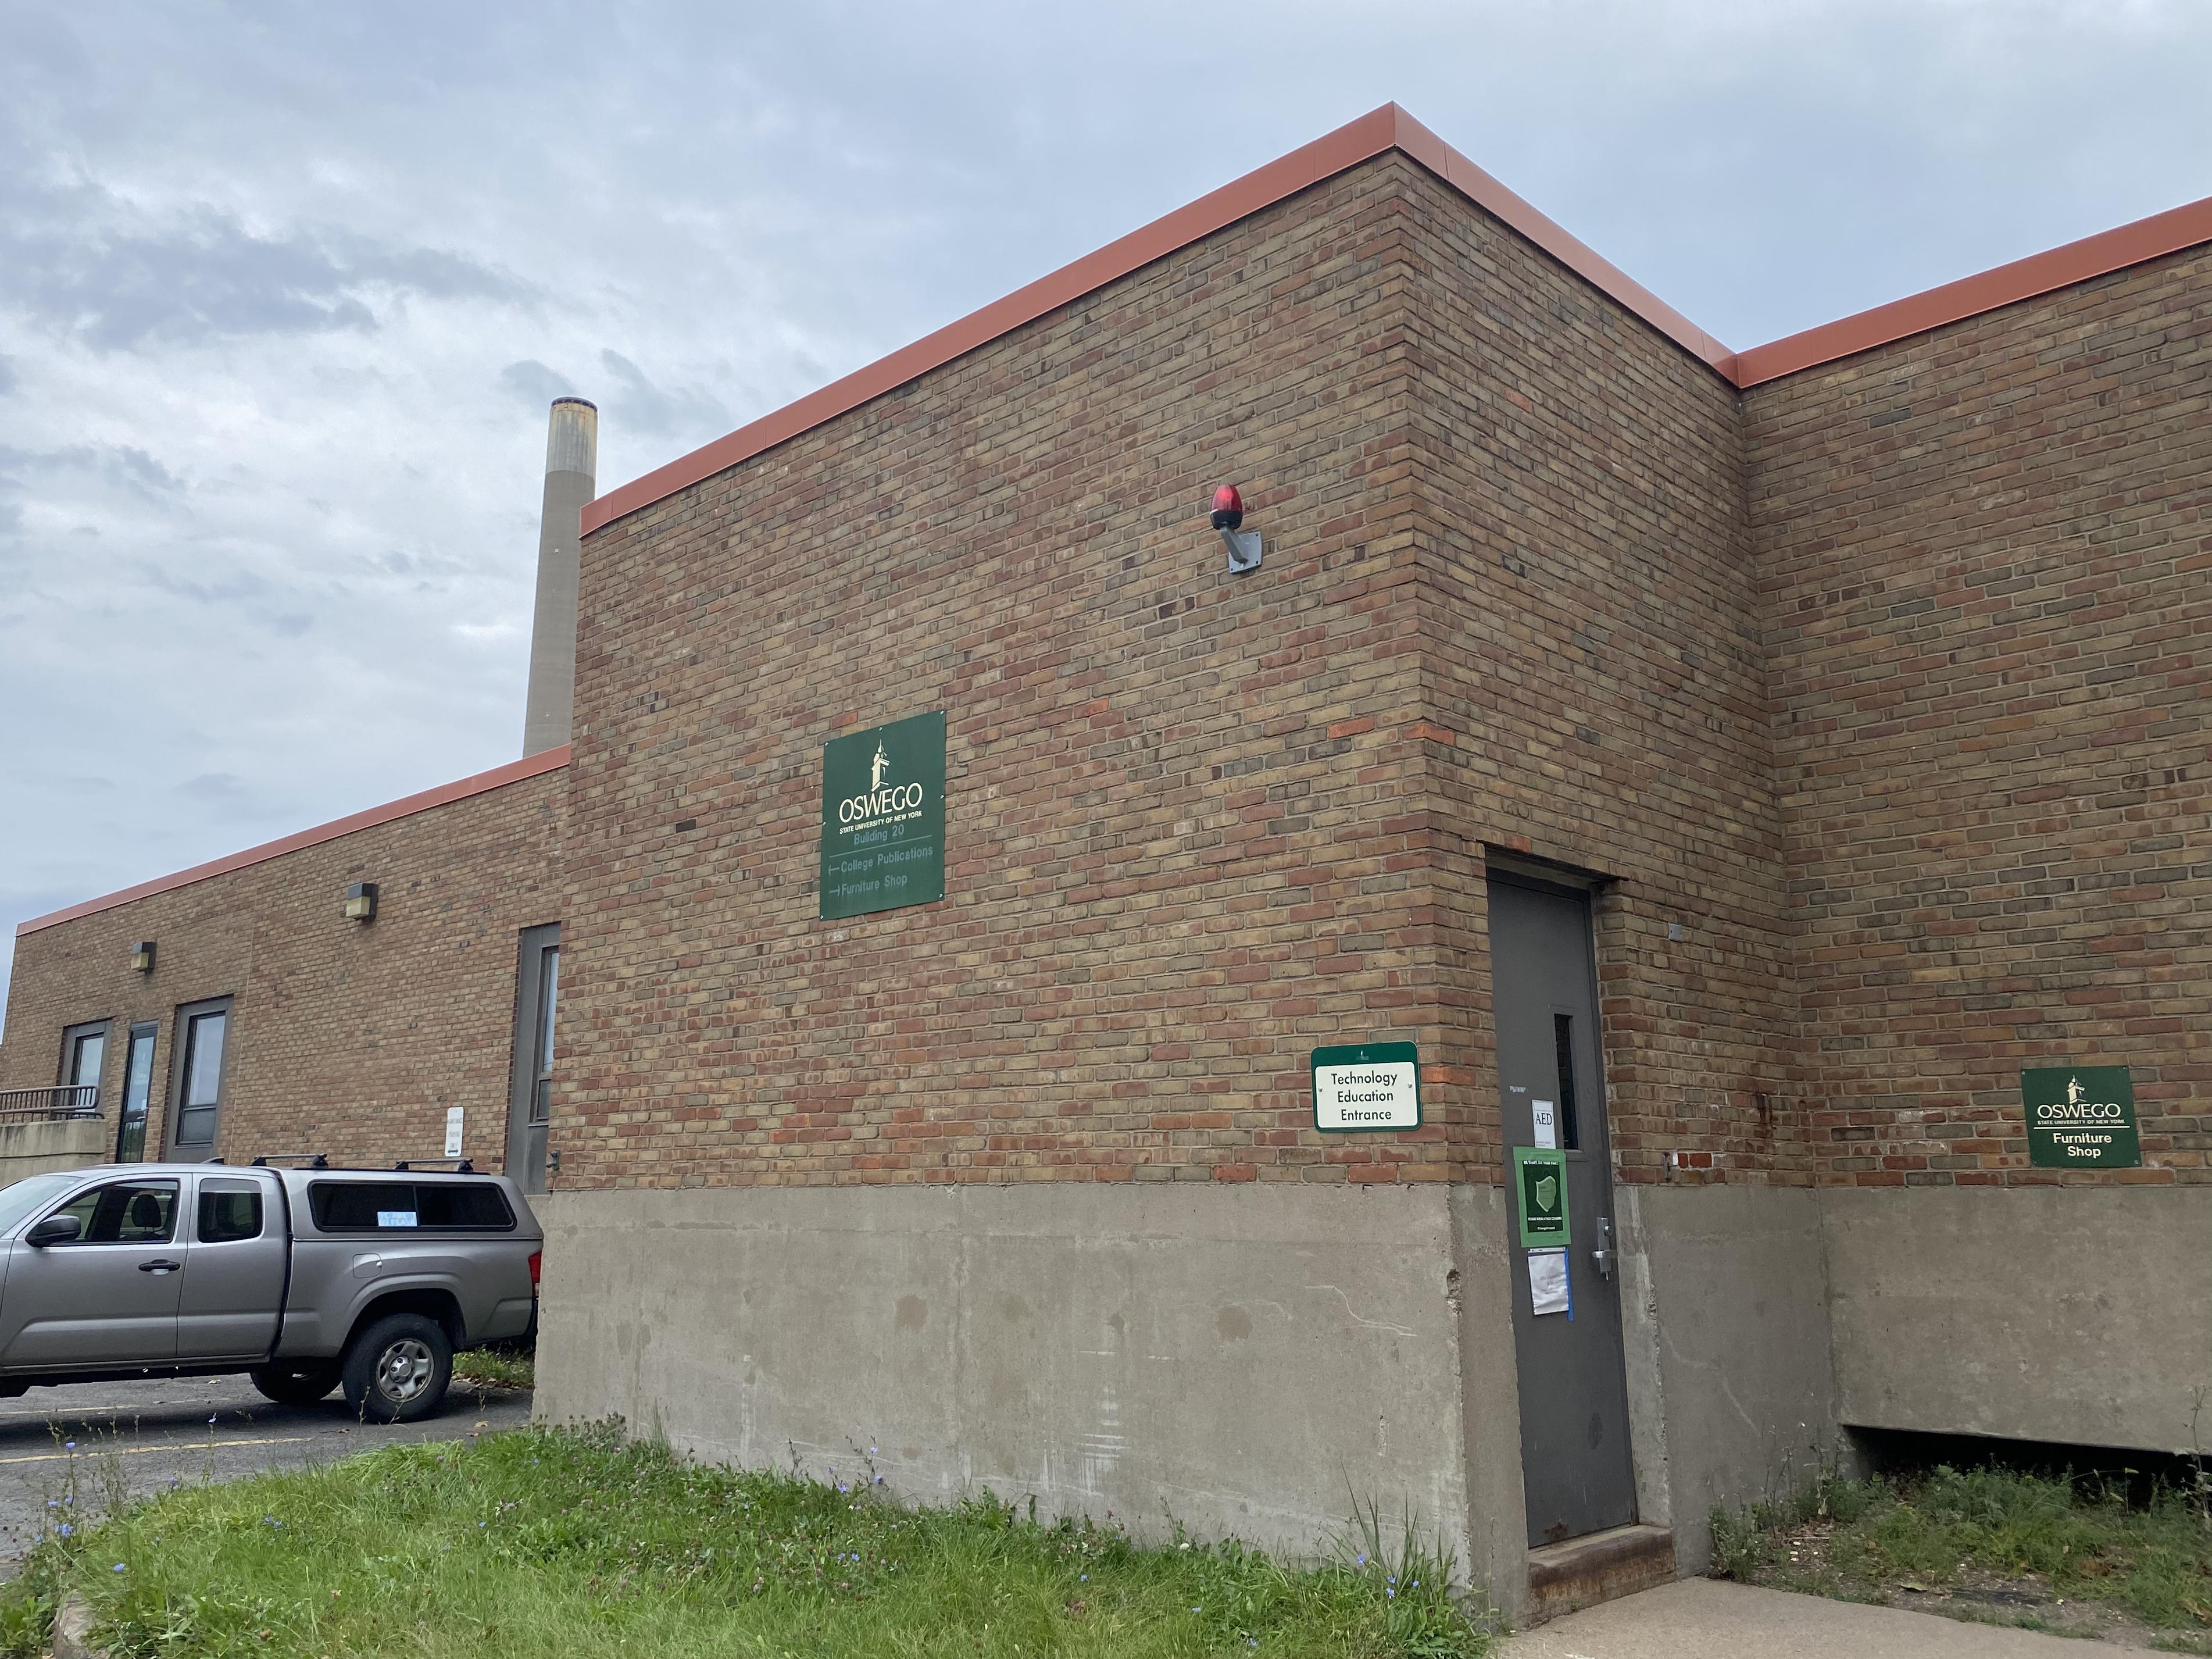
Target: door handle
x,y
158,1265
1603,1254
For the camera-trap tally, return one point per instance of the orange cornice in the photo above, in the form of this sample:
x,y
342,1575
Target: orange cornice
x,y
2023,279
1391,128
1385,129
498,778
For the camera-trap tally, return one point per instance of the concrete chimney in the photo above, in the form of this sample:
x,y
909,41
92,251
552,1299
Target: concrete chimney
x,y
572,463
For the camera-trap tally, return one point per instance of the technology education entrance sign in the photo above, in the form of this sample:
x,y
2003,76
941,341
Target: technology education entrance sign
x,y
883,817
2081,1118
1372,1086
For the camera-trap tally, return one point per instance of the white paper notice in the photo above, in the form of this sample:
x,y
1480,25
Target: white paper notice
x,y
454,1114
1547,1282
1547,1122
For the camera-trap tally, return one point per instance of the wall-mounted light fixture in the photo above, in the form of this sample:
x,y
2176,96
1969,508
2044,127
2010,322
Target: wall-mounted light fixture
x,y
360,902
141,955
1229,519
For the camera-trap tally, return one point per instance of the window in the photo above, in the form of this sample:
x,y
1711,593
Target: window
x,y
548,990
84,1052
204,1029
1563,1046
404,1206
137,1095
125,1212
229,1210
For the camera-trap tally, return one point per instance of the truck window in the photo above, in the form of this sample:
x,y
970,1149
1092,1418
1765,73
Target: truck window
x,y
228,1211
404,1206
125,1212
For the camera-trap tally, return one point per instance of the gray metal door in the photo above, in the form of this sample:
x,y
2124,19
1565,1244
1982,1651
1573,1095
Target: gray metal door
x,y
108,1298
234,1275
1575,1462
530,1094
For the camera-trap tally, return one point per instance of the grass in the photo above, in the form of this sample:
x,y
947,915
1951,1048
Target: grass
x,y
493,1368
576,1542
2069,1553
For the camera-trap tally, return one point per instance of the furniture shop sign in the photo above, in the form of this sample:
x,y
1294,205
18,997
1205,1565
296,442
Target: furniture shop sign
x,y
2081,1116
883,817
1367,1086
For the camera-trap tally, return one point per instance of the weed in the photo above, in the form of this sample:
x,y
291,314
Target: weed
x,y
583,1542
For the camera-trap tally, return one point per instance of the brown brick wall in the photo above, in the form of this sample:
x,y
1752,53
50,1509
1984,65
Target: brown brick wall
x,y
1179,847
1984,556
1199,825
1597,683
346,1038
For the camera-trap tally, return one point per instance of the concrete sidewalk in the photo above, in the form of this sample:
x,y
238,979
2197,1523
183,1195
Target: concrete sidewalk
x,y
1706,1619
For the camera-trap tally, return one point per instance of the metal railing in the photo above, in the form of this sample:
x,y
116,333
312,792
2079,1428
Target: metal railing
x,y
67,1101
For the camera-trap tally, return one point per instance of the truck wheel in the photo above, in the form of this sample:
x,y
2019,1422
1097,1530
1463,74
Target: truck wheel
x,y
295,1385
396,1371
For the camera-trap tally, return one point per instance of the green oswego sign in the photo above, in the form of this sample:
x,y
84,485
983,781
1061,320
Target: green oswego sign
x,y
883,817
2081,1116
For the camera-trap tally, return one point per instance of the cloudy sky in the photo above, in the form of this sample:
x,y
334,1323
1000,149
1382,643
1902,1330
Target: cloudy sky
x,y
284,289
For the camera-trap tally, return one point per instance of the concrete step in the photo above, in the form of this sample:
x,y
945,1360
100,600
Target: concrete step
x,y
1602,1566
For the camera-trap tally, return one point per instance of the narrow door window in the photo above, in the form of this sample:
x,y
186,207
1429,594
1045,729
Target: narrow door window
x,y
199,1079
1563,1056
530,1082
84,1052
549,990
137,1095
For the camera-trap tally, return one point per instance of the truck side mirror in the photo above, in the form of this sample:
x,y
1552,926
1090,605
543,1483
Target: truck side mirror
x,y
54,1230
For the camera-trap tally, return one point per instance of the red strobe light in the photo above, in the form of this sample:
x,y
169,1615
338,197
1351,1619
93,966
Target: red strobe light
x,y
1227,508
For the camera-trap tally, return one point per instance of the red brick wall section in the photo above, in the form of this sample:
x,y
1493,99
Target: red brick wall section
x,y
1183,845
348,1038
1597,689
1199,824
1984,555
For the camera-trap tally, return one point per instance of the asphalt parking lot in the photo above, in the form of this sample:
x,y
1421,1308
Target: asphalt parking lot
x,y
141,1437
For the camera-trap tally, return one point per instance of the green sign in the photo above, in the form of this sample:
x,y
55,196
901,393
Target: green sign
x,y
1540,1175
883,817
2081,1116
1372,1086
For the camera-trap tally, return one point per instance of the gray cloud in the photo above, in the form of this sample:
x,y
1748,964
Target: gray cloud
x,y
117,280
535,384
654,411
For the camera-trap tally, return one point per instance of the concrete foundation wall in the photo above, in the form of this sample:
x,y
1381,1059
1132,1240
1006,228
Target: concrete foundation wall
x,y
1731,1392
36,1148
1247,1360
2081,1315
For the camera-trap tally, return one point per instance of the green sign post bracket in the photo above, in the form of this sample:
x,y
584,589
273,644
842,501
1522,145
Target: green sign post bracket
x,y
2081,1116
1540,1180
883,817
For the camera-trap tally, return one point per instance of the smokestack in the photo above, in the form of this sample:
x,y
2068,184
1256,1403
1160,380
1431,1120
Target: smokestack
x,y
572,462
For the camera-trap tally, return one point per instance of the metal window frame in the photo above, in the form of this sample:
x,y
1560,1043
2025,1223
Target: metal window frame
x,y
151,1031
74,1035
180,1054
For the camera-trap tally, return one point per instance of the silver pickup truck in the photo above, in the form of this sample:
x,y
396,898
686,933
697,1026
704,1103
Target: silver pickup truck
x,y
305,1279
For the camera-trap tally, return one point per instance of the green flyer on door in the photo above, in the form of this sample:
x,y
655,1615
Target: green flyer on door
x,y
1539,1176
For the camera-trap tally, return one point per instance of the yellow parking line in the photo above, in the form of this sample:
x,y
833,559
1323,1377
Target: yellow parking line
x,y
168,1446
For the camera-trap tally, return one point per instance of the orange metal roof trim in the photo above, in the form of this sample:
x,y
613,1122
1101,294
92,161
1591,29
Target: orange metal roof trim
x,y
1391,128
445,795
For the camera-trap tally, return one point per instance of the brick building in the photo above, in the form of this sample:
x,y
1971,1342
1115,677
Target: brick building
x,y
1730,772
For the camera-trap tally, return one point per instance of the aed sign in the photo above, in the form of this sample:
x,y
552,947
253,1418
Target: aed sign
x,y
1540,1181
1372,1086
883,817
2081,1118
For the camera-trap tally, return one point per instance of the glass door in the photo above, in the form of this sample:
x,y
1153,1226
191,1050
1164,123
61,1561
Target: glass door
x,y
137,1095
